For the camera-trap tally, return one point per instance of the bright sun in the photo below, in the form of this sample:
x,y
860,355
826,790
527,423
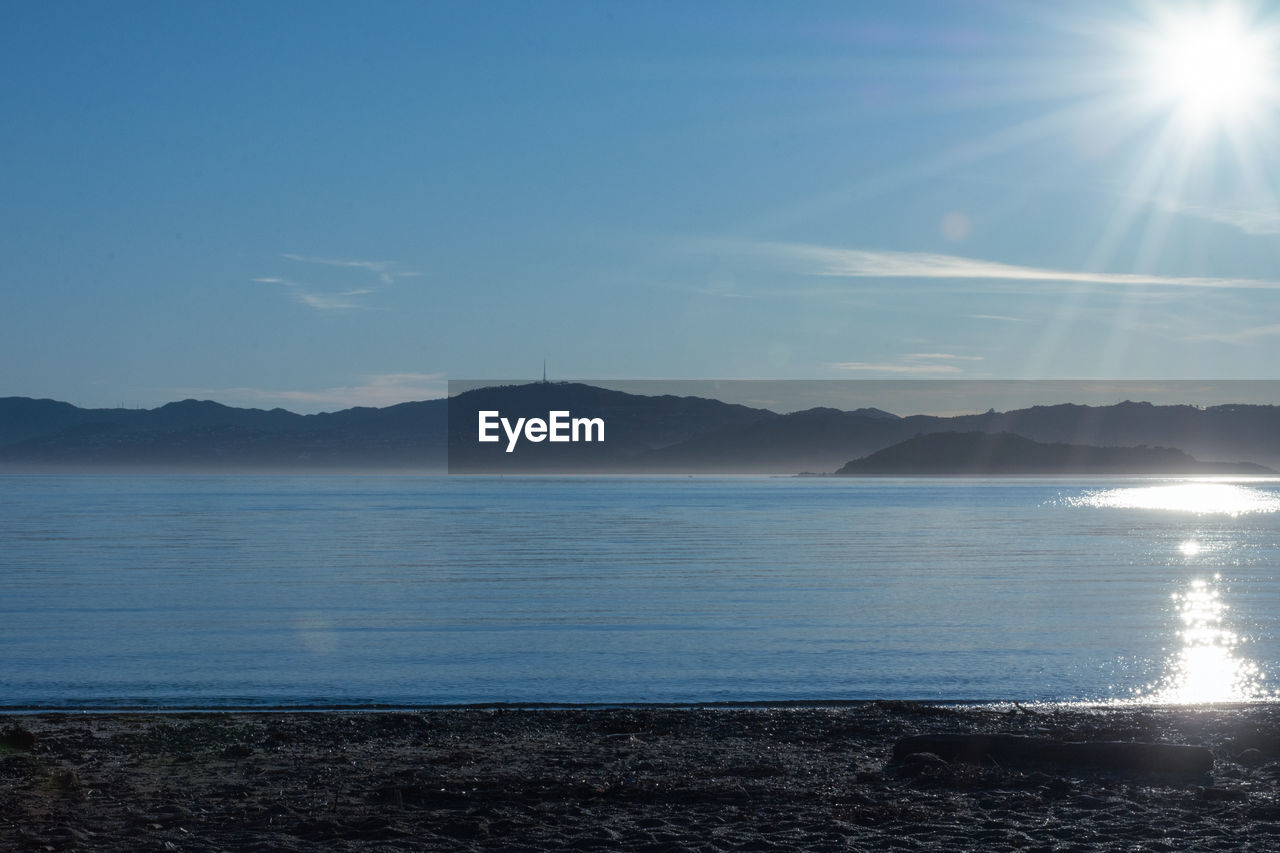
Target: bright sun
x,y
1209,67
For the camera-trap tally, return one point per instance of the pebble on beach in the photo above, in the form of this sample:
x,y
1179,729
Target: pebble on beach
x,y
796,778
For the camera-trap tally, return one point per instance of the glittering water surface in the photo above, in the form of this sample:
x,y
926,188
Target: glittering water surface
x,y
1208,665
313,590
1202,497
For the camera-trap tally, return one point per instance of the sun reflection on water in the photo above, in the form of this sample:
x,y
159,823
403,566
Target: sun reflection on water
x,y
1192,496
1207,667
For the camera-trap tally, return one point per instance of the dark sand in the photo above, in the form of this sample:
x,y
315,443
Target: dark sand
x,y
623,779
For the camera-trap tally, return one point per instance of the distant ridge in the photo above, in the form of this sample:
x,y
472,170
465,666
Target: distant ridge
x,y
980,453
637,425
204,435
660,434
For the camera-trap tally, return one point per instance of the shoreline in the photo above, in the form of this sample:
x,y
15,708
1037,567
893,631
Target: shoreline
x,y
994,705
767,777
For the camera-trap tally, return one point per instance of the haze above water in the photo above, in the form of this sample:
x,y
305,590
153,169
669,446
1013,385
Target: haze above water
x,y
217,591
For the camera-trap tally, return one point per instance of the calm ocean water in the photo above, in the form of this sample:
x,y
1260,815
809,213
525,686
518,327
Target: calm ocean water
x,y
302,590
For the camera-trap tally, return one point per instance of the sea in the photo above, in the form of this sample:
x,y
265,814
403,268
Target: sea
x,y
400,591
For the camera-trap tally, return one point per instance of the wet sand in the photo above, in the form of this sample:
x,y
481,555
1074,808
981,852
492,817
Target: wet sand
x,y
646,779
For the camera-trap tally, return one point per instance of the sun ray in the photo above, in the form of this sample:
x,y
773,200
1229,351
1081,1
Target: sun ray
x,y
1048,126
1133,201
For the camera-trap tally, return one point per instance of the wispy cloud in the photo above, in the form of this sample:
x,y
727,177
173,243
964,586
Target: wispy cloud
x,y
998,317
862,263
917,363
891,367
387,271
341,300
1258,221
328,301
1237,337
940,356
374,266
377,390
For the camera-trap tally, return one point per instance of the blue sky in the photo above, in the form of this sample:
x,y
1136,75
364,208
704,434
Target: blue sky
x,y
317,205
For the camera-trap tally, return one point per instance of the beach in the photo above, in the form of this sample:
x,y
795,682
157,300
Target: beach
x,y
627,778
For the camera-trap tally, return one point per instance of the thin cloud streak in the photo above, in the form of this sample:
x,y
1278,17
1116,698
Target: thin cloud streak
x,y
1254,221
998,317
941,356
385,270
343,300
373,266
340,301
326,302
858,263
1237,337
890,367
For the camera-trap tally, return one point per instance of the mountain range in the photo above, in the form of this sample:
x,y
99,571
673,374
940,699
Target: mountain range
x,y
1001,453
645,434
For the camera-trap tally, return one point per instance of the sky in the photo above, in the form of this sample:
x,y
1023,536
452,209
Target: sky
x,y
318,205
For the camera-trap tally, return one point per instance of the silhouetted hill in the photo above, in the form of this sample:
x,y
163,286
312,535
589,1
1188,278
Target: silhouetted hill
x,y
980,453
1213,432
824,439
645,434
636,425
204,435
871,413
811,440
23,418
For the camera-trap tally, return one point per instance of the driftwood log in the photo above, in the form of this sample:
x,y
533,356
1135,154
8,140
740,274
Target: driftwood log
x,y
1022,749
